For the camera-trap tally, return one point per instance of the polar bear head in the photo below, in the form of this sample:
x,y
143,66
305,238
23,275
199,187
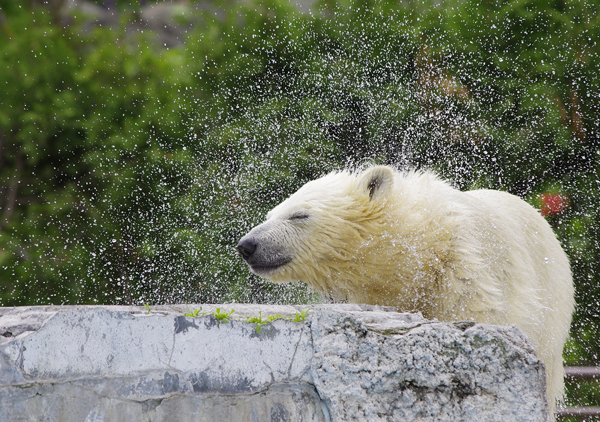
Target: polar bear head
x,y
317,231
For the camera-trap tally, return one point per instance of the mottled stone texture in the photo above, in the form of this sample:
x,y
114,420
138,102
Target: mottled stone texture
x,y
343,363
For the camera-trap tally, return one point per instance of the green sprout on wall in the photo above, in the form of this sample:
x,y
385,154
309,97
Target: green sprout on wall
x,y
260,321
301,316
225,317
195,313
222,316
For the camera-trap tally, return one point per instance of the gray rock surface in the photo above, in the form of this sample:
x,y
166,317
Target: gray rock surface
x,y
344,362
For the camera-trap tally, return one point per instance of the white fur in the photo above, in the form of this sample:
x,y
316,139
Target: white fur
x,y
412,241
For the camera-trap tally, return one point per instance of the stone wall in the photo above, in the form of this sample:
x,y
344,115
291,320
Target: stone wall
x,y
342,363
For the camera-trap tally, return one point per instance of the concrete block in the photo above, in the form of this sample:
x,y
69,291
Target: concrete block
x,y
344,362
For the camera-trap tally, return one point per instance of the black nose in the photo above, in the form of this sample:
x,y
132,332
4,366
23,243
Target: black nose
x,y
246,248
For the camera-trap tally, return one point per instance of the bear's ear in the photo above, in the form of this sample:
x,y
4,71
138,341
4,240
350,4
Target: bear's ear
x,y
376,181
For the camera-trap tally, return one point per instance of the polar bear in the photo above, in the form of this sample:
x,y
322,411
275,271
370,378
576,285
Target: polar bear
x,y
410,240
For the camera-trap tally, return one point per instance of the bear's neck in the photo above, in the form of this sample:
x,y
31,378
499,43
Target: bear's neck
x,y
408,279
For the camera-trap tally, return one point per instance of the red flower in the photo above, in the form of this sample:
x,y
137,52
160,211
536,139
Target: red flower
x,y
553,203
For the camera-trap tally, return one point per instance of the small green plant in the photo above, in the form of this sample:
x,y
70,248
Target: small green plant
x,y
195,313
301,316
256,320
272,318
222,316
148,308
225,317
260,321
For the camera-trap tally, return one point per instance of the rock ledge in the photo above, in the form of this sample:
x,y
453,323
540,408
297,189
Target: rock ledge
x,y
342,363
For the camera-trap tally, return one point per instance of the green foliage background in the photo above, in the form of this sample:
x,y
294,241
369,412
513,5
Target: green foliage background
x,y
128,171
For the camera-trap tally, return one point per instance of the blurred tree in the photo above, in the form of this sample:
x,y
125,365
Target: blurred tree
x,y
128,171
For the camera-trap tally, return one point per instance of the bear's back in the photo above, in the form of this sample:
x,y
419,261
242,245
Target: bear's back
x,y
539,292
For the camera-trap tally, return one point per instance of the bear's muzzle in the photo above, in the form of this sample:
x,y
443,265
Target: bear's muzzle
x,y
261,253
